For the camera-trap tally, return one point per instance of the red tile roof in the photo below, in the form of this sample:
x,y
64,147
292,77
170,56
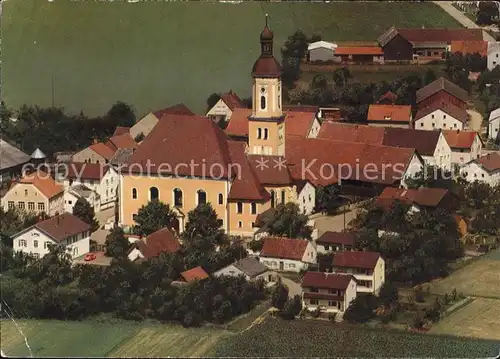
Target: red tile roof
x,y
366,260
460,139
358,50
439,35
491,162
301,108
238,124
425,142
390,96
62,226
121,141
270,170
82,170
344,238
179,109
232,100
326,280
43,182
427,197
298,123
120,130
266,67
399,113
470,47
352,133
160,241
193,274
103,150
454,111
285,248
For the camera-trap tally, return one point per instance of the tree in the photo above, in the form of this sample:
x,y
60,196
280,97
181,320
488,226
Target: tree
x,y
15,220
212,100
360,310
292,308
83,210
487,13
477,194
327,199
203,222
152,217
121,114
279,296
117,245
139,137
287,221
341,76
388,294
430,76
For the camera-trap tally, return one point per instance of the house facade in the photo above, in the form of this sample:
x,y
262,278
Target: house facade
x,y
161,241
250,268
465,146
367,267
358,55
224,108
441,92
389,115
494,125
335,241
287,255
441,117
65,229
330,292
73,193
484,169
321,51
99,153
493,55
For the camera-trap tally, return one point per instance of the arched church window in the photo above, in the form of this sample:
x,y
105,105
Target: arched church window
x,y
266,134
262,102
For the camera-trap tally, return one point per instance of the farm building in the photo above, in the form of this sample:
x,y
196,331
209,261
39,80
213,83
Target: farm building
x,y
484,169
442,91
12,162
224,108
441,116
321,51
389,115
359,55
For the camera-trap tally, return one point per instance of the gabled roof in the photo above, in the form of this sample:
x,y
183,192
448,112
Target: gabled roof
x,y
122,141
301,108
351,133
285,248
494,115
442,84
121,156
470,47
82,170
270,170
38,154
238,124
43,182
358,50
326,280
321,44
460,139
389,95
454,111
160,241
179,109
490,162
430,35
426,197
232,100
393,113
355,259
343,238
250,266
60,227
103,150
299,123
425,142
120,130
193,274
11,156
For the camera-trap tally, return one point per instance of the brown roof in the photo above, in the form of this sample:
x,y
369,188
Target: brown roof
x,y
432,35
389,95
400,113
82,170
424,142
179,109
460,139
285,248
232,100
43,182
270,170
238,124
358,50
120,130
470,47
178,140
427,197
121,141
160,241
103,150
193,274
62,226
345,238
354,259
351,133
454,111
442,84
298,123
326,280
490,162
266,67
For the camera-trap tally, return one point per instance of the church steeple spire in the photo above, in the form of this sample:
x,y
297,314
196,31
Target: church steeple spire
x,y
266,41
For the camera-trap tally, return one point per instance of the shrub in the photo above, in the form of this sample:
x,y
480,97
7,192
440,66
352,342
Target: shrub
x,y
418,321
332,316
419,294
454,295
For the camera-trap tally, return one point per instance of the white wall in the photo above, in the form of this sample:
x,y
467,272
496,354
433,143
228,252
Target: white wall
x,y
307,198
494,129
460,157
288,264
230,270
220,109
413,168
494,56
441,121
442,154
473,171
314,130
69,201
378,275
350,293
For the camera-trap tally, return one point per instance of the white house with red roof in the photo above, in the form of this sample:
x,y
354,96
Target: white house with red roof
x,y
335,241
161,241
465,146
367,267
484,169
224,108
330,292
287,255
441,116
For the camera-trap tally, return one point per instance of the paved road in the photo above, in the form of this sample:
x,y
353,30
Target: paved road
x,y
462,18
293,287
100,235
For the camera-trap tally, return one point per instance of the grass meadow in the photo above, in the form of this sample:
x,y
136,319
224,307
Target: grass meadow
x,y
152,54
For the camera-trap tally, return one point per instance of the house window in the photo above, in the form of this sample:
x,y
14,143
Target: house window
x,y
153,193
134,193
432,116
35,243
313,301
22,243
253,224
240,224
266,134
291,265
134,216
45,244
11,205
70,202
20,205
262,102
273,198
282,196
254,208
26,192
444,125
240,207
455,125
314,290
332,303
259,133
221,198
177,197
107,182
75,251
433,124
421,124
202,197
444,116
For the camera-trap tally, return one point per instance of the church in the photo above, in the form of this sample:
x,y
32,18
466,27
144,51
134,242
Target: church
x,y
188,160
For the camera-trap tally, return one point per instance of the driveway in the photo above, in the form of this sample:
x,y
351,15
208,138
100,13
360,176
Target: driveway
x,y
99,236
462,18
334,223
293,287
475,120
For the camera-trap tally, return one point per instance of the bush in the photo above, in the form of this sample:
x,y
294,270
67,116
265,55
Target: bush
x,y
419,294
316,313
332,316
418,321
454,295
361,309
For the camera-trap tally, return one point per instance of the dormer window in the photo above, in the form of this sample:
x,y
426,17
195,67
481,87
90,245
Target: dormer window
x,y
387,118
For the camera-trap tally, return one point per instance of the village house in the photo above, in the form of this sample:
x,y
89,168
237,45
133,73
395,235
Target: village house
x,y
494,125
335,241
122,141
250,268
320,51
35,192
13,160
193,274
484,169
358,55
64,229
98,152
389,115
224,108
493,55
287,255
161,241
73,193
330,292
469,47
367,267
465,146
438,116
418,199
441,92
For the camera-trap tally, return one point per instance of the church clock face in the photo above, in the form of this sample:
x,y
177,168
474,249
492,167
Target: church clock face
x,y
262,90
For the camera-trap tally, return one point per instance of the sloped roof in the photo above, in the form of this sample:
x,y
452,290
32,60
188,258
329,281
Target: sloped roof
x,y
250,266
470,47
38,154
442,84
11,156
321,44
43,182
494,115
425,142
238,124
178,109
454,111
389,95
460,139
345,238
232,100
396,113
285,248
122,141
270,170
439,35
427,197
356,259
359,50
299,123
120,130
103,150
266,66
193,274
490,162
82,170
301,108
160,241
351,133
61,227
121,156
326,280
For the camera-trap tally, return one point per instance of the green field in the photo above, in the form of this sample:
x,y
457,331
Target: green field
x,y
154,54
311,338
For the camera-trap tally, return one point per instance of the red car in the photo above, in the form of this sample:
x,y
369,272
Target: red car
x,y
89,257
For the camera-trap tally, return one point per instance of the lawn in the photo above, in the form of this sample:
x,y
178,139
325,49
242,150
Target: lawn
x,y
478,319
478,279
154,54
311,338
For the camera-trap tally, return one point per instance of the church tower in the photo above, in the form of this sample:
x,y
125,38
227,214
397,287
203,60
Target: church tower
x,y
266,125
